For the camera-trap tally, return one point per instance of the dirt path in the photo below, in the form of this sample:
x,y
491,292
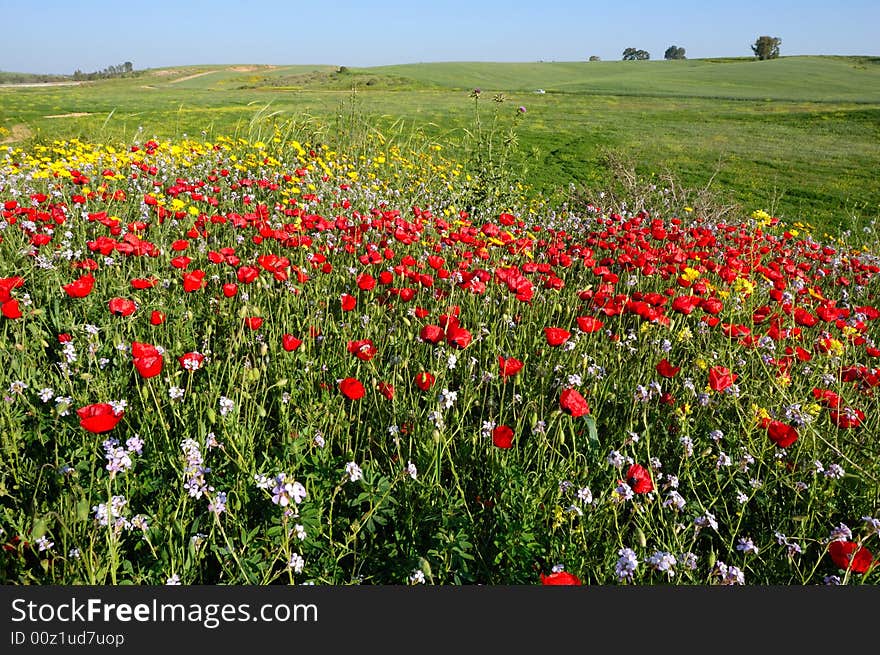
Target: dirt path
x,y
191,77
75,114
18,133
22,84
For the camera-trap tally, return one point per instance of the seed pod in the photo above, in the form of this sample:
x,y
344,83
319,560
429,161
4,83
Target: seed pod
x,y
640,538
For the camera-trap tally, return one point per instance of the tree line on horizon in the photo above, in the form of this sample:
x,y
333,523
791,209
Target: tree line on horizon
x,y
117,70
764,47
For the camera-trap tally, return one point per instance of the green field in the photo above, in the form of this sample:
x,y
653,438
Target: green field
x,y
798,136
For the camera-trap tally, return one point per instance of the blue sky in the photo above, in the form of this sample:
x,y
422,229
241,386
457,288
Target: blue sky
x,y
59,36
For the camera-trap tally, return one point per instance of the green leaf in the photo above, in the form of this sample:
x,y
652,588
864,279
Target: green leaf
x,y
592,434
82,510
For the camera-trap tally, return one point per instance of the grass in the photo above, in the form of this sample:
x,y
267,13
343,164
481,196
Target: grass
x,y
199,338
799,135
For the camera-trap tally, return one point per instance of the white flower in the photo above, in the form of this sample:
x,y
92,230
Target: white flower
x,y
615,459
448,398
417,577
728,575
43,543
411,470
663,562
585,495
173,580
706,521
226,405
296,562
353,471
283,492
675,500
627,564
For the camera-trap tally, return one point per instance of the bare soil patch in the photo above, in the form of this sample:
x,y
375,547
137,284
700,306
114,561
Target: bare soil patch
x,y
75,114
190,77
16,133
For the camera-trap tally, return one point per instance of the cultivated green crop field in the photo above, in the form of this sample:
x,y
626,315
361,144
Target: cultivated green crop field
x,y
797,136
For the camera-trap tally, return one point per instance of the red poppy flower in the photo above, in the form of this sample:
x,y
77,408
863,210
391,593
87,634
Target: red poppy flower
x,y
849,555
230,289
666,369
147,359
639,479
81,287
144,283
711,305
573,403
247,274
847,418
7,284
386,390
352,388
424,380
253,322
98,417
780,433
805,318
193,281
122,307
560,578
827,398
721,378
685,304
458,337
181,262
509,366
191,361
10,309
348,302
589,324
366,282
157,318
556,336
290,342
363,349
431,334
502,436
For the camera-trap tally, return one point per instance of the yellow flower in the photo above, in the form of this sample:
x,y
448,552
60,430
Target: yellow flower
x,y
690,274
743,286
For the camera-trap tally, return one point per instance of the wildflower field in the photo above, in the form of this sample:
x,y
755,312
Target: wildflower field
x,y
272,361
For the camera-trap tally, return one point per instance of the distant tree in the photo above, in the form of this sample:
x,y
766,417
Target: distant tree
x,y
632,54
595,58
767,47
127,67
674,52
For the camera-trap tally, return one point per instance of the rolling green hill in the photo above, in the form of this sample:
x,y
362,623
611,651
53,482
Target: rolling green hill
x,y
799,136
838,79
